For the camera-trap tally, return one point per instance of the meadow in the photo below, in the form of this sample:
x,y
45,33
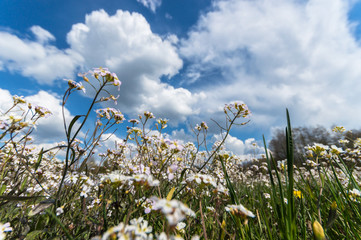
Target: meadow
x,y
153,187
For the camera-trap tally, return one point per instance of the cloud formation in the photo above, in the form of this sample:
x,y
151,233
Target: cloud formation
x,y
151,4
42,35
297,54
125,43
37,59
6,100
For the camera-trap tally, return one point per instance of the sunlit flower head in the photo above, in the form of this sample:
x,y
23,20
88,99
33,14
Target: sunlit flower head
x,y
135,121
146,180
238,109
204,125
4,228
18,100
101,71
336,150
202,179
107,76
180,227
109,113
59,210
318,149
354,194
339,129
83,75
116,81
310,163
174,210
148,114
282,165
75,85
116,178
137,229
42,111
297,194
239,210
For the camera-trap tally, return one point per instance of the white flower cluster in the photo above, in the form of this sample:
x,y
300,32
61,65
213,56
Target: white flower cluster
x,y
119,179
202,179
137,230
207,180
174,210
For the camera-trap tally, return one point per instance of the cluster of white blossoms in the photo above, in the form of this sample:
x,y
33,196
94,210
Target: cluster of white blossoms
x,y
174,210
110,113
200,179
138,229
355,194
118,179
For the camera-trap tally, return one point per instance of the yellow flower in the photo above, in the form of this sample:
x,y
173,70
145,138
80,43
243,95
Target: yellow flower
x,y
297,194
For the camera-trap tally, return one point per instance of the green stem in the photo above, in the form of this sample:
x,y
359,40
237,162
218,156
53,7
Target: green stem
x,y
72,140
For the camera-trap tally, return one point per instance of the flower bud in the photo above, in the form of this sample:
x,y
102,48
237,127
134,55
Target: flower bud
x,y
318,233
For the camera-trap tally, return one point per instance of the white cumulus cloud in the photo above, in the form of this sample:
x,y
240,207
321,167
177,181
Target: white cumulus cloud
x,y
6,100
276,54
36,59
126,45
123,42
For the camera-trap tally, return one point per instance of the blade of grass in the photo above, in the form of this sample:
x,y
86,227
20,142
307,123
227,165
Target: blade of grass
x,y
291,211
60,223
232,193
279,206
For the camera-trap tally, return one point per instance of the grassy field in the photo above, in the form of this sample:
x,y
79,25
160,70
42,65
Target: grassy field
x,y
152,187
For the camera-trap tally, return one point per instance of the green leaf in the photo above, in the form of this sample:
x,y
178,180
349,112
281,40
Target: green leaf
x,y
2,189
32,235
24,183
41,222
232,193
72,124
39,159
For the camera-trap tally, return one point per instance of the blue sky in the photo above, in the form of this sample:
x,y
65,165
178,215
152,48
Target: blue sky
x,y
184,59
